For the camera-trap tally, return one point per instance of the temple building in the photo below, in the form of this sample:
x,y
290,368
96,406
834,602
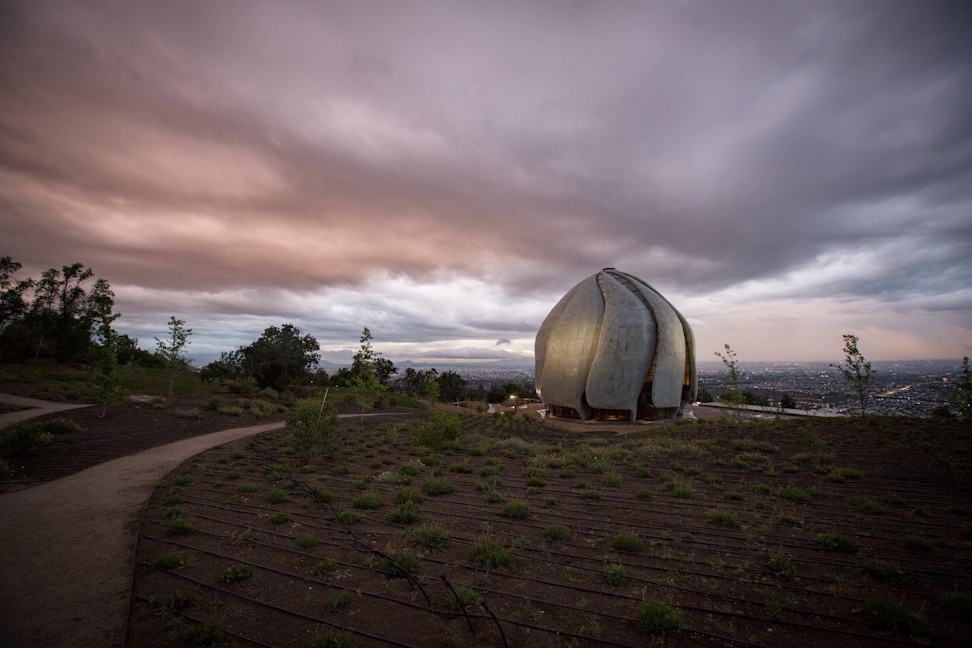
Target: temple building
x,y
614,348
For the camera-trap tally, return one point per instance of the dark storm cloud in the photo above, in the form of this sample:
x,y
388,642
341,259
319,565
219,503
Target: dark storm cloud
x,y
225,148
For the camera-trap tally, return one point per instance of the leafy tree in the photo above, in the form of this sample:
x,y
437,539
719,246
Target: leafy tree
x,y
60,321
857,370
171,349
496,394
961,396
281,357
128,352
452,386
734,397
787,402
12,302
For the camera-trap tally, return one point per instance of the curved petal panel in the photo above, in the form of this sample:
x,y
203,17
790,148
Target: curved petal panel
x,y
624,349
565,346
666,390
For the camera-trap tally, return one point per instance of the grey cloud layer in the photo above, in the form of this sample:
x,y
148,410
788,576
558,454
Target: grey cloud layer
x,y
697,145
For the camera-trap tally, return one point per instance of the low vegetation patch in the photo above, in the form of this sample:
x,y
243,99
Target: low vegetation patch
x,y
628,542
837,542
894,616
656,616
235,573
489,555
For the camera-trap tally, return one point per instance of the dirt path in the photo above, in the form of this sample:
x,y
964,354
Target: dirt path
x,y
34,408
66,547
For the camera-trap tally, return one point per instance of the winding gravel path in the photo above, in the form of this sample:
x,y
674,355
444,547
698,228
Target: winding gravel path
x,y
66,547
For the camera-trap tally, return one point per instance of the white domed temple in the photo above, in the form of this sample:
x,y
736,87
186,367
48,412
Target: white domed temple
x,y
614,348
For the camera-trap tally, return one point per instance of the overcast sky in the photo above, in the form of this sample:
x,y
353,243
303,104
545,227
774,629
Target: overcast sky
x,y
443,172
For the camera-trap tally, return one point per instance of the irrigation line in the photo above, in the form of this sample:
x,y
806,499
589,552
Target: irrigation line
x,y
412,580
462,605
299,615
645,567
700,574
188,615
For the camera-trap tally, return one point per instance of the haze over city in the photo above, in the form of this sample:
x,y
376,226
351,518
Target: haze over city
x,y
443,173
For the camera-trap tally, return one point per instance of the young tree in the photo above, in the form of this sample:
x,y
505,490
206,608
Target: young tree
x,y
857,370
961,396
734,397
171,349
365,385
106,365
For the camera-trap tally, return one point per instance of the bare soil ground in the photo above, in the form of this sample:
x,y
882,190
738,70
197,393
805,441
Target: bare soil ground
x,y
797,533
70,514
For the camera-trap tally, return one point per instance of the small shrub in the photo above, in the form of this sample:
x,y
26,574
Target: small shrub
x,y
305,541
461,467
170,560
464,597
174,512
889,572
489,555
615,575
246,488
794,494
591,494
734,496
181,526
235,573
837,542
349,517
438,486
169,604
840,475
683,491
280,517
558,532
215,404
866,505
918,543
781,565
724,518
643,493
332,639
430,537
655,616
60,426
628,542
183,480
894,616
442,431
367,501
494,497
321,494
790,520
406,513
408,496
326,568
611,479
340,600
959,606
402,560
276,496
515,510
